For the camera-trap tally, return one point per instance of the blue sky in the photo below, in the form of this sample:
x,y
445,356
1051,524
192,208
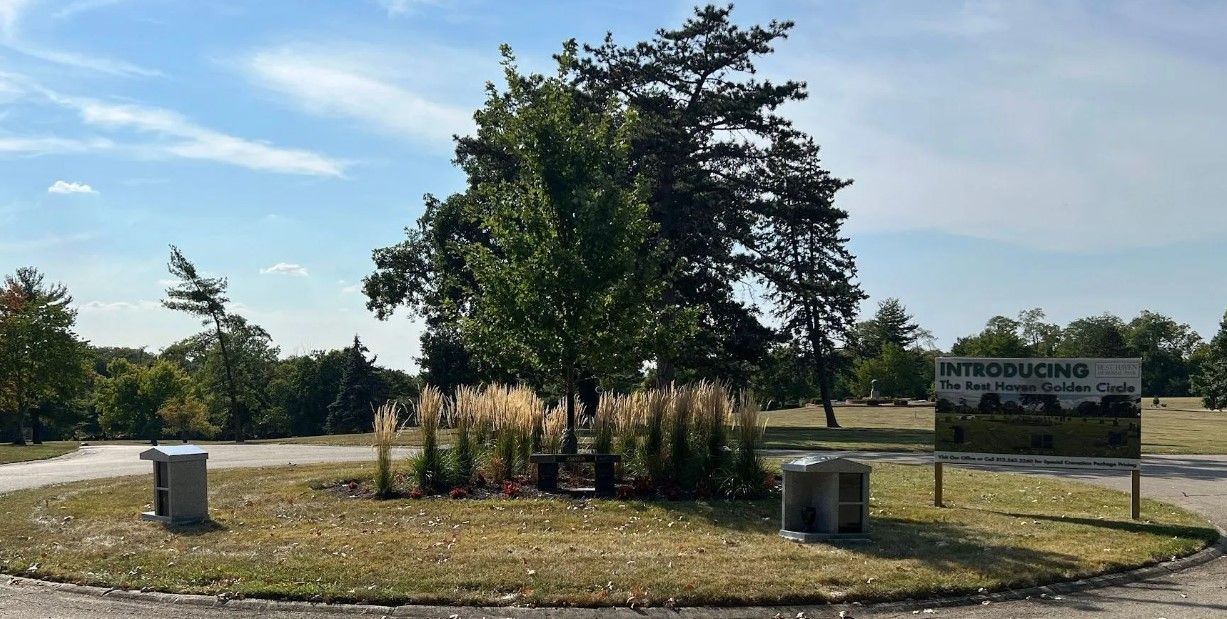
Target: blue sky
x,y
1005,155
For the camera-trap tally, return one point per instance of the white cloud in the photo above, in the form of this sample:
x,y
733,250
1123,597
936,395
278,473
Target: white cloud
x,y
118,306
403,7
70,187
345,81
12,12
50,145
191,141
285,268
352,288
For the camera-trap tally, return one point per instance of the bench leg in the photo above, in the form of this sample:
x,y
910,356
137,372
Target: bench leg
x,y
547,476
605,479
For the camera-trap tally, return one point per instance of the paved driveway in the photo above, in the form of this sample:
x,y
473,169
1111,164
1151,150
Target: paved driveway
x,y
117,460
1196,482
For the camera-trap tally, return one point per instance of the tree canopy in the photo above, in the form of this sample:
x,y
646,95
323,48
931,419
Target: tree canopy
x,y
41,358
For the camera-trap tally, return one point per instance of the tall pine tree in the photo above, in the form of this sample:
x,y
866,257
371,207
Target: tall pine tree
x,y
361,389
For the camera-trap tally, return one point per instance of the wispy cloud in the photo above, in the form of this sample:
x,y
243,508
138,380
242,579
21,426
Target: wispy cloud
x,y
13,11
344,81
404,7
119,306
176,136
83,6
191,141
70,187
286,268
51,145
47,242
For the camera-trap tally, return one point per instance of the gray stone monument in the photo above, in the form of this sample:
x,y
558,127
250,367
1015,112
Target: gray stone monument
x,y
180,484
825,497
874,392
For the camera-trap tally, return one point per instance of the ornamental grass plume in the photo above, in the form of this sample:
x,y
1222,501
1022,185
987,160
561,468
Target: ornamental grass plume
x,y
680,413
747,475
553,427
603,423
628,419
656,409
713,412
428,466
463,415
387,420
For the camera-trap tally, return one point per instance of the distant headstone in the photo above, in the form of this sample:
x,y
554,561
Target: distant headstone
x,y
874,392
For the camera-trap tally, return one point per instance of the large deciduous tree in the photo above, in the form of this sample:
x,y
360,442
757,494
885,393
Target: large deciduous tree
x,y
1094,336
42,362
1165,347
130,396
566,282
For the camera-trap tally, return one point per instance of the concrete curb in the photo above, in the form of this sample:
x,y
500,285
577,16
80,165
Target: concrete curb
x,y
1209,553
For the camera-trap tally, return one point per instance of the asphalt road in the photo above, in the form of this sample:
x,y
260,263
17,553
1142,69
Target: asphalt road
x,y
1195,482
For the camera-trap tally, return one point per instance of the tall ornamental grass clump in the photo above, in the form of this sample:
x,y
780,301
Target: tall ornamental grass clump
x,y
463,415
553,427
747,475
713,413
429,467
628,417
656,411
680,414
603,421
387,420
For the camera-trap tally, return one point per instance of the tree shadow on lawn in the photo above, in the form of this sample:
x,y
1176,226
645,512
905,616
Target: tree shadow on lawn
x,y
195,529
793,437
940,545
1205,533
947,546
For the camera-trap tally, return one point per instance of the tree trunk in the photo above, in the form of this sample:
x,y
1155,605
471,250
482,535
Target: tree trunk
x,y
821,367
664,373
234,398
824,390
36,428
570,443
19,438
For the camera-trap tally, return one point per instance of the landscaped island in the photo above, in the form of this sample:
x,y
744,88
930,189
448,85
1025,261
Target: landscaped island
x,y
288,533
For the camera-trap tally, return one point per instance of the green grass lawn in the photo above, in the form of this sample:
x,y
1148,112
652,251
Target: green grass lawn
x,y
10,453
890,428
275,535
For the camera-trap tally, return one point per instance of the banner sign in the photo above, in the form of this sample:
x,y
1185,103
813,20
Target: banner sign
x,y
1069,413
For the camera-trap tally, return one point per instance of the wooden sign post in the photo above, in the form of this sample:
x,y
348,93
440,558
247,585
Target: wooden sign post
x,y
937,484
1137,493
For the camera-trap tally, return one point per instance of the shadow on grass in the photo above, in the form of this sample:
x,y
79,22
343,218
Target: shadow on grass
x,y
1208,534
198,528
942,546
794,437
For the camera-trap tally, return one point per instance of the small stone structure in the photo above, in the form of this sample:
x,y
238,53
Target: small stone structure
x,y
180,484
604,473
825,497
